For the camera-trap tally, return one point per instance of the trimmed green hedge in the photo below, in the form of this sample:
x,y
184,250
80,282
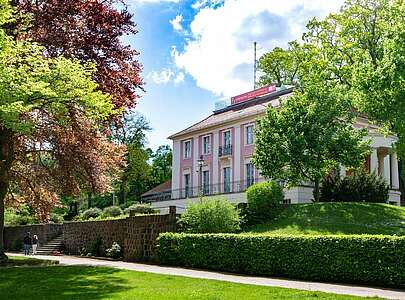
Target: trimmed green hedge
x,y
376,260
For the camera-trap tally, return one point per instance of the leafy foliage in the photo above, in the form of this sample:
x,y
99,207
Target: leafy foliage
x,y
372,260
264,201
115,251
309,135
140,209
280,66
359,187
22,215
89,30
96,248
112,211
210,216
91,213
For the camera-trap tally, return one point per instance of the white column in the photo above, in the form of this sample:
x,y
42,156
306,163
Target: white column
x,y
195,164
215,158
386,170
374,161
176,169
394,171
236,154
342,170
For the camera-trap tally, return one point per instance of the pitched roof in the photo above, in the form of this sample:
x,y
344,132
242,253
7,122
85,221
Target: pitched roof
x,y
160,188
234,112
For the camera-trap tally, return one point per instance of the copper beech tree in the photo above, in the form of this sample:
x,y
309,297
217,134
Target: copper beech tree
x,y
89,30
50,114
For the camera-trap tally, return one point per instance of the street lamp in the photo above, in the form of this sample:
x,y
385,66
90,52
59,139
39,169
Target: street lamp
x,y
200,163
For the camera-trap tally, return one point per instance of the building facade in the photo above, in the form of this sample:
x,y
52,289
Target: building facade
x,y
214,156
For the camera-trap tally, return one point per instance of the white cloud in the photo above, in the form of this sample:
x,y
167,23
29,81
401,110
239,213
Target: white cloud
x,y
179,78
176,23
161,77
166,76
219,52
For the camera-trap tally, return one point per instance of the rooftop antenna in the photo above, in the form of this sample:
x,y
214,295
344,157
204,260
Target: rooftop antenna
x,y
254,65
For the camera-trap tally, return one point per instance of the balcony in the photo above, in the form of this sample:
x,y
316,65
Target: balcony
x,y
206,190
225,150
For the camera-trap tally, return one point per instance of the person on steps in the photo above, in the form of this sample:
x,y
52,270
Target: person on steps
x,y
27,243
34,244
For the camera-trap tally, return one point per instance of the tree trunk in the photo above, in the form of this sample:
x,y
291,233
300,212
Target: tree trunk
x,y
6,159
89,200
316,191
3,193
123,193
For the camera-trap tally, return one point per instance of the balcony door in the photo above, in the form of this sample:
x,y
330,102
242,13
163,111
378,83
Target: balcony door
x,y
227,139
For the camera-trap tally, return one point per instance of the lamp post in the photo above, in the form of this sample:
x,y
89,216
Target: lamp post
x,y
200,163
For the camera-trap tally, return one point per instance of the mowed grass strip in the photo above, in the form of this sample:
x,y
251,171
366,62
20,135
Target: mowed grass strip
x,y
82,282
21,261
337,218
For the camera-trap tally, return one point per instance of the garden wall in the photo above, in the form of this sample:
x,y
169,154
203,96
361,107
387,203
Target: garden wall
x,y
13,235
136,235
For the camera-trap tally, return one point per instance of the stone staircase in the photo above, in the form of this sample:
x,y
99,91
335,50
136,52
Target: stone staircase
x,y
51,246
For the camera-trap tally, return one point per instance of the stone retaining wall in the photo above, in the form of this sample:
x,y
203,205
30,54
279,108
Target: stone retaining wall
x,y
13,235
78,235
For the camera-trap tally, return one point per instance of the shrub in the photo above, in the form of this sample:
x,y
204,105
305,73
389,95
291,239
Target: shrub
x,y
360,187
21,216
56,218
97,247
371,260
115,251
264,201
112,211
210,216
93,212
140,209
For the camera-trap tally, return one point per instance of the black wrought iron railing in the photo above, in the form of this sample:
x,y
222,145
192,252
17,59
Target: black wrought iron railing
x,y
204,190
225,150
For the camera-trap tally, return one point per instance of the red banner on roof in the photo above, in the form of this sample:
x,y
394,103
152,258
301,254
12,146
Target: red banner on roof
x,y
253,94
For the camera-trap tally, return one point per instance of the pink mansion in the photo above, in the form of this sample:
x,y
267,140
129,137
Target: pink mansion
x,y
214,156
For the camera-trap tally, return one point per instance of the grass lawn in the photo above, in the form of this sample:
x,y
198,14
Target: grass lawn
x,y
81,282
337,218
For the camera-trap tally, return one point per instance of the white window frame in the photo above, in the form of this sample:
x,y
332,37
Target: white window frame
x,y
223,138
208,150
185,154
246,173
229,181
247,142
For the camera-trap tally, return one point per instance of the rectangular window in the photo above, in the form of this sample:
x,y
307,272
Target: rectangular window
x,y
250,174
187,149
206,144
227,179
249,134
186,185
206,182
227,138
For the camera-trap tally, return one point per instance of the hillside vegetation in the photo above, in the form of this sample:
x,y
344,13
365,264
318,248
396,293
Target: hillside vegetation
x,y
337,218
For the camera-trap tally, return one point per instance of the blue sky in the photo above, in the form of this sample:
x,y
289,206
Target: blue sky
x,y
196,52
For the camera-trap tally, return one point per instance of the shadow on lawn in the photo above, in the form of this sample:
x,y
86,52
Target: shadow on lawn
x,y
61,282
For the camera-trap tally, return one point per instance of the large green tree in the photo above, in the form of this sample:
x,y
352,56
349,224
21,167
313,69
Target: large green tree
x,y
50,109
364,46
308,136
